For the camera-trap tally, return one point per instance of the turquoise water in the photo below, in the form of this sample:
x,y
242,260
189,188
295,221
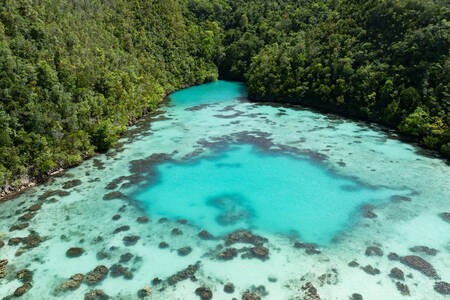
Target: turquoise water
x,y
210,160
243,187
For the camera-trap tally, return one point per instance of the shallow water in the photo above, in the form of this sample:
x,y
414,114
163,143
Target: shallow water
x,y
211,160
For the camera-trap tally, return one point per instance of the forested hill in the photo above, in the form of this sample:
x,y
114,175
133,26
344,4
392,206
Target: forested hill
x,y
74,73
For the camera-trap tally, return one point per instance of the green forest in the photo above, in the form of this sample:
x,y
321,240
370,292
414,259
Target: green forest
x,y
75,73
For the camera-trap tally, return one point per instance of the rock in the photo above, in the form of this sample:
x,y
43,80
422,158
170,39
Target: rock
x,y
353,264
184,251
204,293
445,216
309,248
144,292
424,250
114,195
397,199
96,295
397,274
393,256
125,257
25,275
442,287
250,296
3,264
260,252
228,288
35,207
259,290
23,289
243,236
227,254
97,275
14,241
189,272
71,183
374,251
356,296
163,245
119,270
74,252
19,226
176,231
403,288
142,220
72,284
418,263
130,240
116,217
371,270
121,228
27,217
310,291
205,235
102,255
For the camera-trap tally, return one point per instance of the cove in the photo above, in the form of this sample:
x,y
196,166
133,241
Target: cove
x,y
245,187
132,220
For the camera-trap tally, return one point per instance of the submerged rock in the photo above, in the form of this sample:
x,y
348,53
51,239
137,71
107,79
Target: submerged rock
x,y
184,251
97,275
142,220
228,288
114,195
52,193
356,296
2,243
205,235
72,284
424,250
74,252
156,281
393,256
163,245
23,289
96,295
442,287
403,288
204,293
250,296
418,263
35,207
353,264
370,270
71,183
125,257
189,272
27,217
19,226
398,198
260,252
445,216
146,291
116,217
310,291
130,240
3,264
176,231
371,251
228,254
117,270
25,275
397,274
243,236
121,228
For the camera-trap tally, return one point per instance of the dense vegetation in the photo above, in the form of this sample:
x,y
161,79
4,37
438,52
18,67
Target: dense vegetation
x,y
74,73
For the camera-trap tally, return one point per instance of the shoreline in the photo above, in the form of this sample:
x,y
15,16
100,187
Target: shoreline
x,y
8,192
